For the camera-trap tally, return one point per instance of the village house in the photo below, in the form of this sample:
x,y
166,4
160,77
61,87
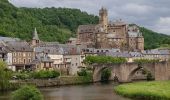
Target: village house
x,y
19,55
159,54
42,62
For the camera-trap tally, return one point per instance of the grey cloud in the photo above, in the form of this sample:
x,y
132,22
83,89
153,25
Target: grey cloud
x,y
148,13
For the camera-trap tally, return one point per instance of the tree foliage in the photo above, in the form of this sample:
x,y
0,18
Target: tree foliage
x,y
44,74
104,60
53,24
5,76
27,93
142,61
154,40
82,72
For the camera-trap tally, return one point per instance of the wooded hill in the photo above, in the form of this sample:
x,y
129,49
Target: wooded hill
x,y
56,24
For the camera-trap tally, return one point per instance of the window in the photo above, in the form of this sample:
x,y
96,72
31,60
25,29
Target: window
x,y
24,61
14,60
29,60
14,54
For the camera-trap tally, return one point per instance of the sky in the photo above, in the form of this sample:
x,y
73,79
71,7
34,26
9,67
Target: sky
x,y
152,14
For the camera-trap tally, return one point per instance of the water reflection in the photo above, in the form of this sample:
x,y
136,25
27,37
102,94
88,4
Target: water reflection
x,y
96,91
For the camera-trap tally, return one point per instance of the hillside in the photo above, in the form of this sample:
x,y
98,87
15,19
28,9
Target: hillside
x,y
55,24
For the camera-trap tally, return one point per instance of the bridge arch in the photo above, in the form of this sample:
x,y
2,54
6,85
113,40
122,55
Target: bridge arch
x,y
98,72
123,72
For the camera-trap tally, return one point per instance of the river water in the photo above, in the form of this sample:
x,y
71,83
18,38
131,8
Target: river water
x,y
97,91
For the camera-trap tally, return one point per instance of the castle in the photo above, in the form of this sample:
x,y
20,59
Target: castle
x,y
107,34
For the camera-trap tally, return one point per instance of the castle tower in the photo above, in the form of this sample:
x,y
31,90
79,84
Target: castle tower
x,y
103,18
35,39
140,42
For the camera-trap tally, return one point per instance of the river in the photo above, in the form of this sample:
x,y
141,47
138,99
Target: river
x,y
97,91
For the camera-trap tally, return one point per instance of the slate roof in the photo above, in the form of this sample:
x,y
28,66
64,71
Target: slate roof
x,y
118,22
132,34
151,52
156,52
118,54
5,39
136,54
86,28
41,58
18,46
49,50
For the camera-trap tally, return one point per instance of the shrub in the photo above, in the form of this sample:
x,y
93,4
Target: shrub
x,y
22,75
104,60
149,76
83,72
45,74
141,61
27,93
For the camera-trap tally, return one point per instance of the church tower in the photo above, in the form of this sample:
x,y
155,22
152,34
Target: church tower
x,y
35,39
103,18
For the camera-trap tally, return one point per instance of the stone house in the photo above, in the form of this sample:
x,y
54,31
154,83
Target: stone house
x,y
73,56
55,55
157,54
19,55
42,62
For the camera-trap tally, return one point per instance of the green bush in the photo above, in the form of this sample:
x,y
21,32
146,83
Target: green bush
x,y
104,60
141,61
83,72
27,93
43,74
22,75
149,76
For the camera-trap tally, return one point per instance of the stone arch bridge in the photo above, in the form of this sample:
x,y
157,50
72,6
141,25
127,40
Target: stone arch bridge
x,y
124,72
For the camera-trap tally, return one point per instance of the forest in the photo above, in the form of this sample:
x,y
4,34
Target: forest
x,y
57,24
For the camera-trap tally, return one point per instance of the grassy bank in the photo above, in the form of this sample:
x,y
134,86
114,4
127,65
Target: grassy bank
x,y
156,90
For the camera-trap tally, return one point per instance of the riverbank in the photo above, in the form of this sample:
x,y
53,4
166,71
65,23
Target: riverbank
x,y
155,90
64,80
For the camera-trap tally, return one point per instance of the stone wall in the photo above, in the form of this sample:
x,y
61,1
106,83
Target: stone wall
x,y
67,80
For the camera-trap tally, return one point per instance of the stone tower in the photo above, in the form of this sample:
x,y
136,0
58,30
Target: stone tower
x,y
140,42
103,18
35,39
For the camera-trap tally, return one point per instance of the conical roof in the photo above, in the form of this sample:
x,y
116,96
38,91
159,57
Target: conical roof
x,y
35,35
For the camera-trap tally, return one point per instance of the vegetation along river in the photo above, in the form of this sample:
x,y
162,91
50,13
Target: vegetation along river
x,y
97,91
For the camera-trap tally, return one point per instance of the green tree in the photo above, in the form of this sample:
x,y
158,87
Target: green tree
x,y
5,76
27,93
